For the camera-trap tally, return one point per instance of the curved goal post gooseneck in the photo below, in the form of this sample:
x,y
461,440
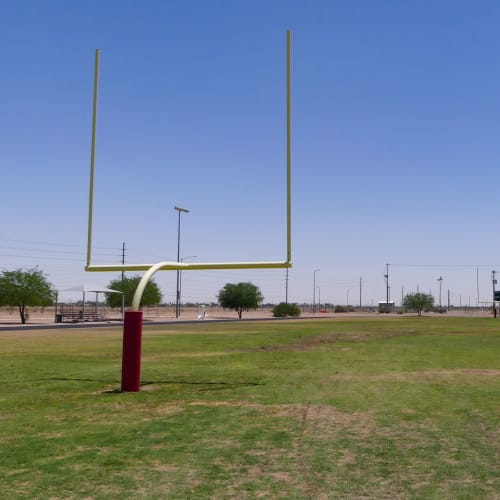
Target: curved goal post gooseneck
x,y
132,326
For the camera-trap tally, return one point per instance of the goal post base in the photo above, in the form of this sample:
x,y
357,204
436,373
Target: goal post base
x,y
131,356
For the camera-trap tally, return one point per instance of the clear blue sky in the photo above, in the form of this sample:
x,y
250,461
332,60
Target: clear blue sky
x,y
396,142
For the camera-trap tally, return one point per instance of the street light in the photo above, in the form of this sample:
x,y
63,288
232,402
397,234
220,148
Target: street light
x,y
178,292
180,279
314,287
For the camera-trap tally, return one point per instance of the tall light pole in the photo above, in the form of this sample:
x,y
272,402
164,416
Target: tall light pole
x,y
180,280
440,279
314,287
178,292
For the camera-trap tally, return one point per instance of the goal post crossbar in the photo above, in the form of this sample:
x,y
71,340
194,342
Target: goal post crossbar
x,y
185,266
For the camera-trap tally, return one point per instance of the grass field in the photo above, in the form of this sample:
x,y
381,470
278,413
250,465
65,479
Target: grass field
x,y
379,408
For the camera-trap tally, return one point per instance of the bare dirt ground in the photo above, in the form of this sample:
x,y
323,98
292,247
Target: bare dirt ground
x,y
9,316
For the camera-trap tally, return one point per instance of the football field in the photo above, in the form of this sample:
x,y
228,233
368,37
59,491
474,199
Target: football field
x,y
399,407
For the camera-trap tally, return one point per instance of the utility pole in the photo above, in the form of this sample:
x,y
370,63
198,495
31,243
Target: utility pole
x,y
286,287
448,298
314,288
477,284
122,308
494,282
386,276
360,281
123,259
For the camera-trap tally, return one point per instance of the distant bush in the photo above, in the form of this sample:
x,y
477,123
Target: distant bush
x,y
282,310
343,309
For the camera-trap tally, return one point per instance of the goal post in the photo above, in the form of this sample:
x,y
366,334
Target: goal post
x,y
172,266
132,325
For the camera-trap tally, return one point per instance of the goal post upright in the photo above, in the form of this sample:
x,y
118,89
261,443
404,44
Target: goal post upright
x,y
92,159
288,147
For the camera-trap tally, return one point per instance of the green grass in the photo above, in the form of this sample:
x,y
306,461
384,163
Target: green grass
x,y
379,408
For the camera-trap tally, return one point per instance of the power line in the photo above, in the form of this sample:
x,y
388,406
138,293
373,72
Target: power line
x,y
445,265
37,257
57,244
40,250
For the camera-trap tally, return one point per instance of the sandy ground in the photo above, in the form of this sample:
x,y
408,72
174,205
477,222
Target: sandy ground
x,y
42,316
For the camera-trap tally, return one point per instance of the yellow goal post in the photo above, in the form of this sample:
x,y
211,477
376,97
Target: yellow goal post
x,y
169,266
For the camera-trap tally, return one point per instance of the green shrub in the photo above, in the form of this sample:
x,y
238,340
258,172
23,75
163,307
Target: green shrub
x,y
343,309
282,310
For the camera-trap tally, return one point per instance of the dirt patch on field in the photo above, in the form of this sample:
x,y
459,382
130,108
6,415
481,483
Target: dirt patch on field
x,y
415,376
321,417
324,418
307,425
207,354
162,467
308,343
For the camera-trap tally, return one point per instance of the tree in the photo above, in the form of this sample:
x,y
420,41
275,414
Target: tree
x,y
22,289
150,297
240,297
418,302
282,310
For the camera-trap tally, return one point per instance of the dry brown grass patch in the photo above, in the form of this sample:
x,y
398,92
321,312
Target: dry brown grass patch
x,y
321,417
411,376
308,343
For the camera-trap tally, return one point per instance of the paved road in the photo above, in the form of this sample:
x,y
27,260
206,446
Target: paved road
x,y
107,324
